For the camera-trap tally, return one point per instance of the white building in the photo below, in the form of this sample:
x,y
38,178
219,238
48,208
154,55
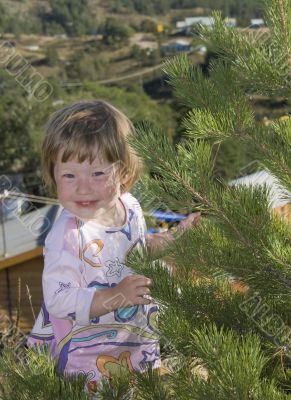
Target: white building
x,y
190,21
257,23
206,21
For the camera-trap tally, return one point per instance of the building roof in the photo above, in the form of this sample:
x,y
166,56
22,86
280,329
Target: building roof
x,y
181,24
279,196
183,42
257,21
209,21
189,21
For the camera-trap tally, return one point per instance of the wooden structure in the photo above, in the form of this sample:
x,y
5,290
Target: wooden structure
x,y
21,266
284,211
279,197
20,289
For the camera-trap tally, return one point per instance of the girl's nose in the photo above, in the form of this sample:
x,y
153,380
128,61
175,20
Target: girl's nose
x,y
84,186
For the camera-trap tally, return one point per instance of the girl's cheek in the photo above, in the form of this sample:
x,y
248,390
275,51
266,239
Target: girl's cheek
x,y
106,184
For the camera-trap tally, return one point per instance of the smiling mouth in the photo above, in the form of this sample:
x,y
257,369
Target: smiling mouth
x,y
86,203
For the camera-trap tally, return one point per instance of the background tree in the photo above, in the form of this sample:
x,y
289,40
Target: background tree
x,y
114,31
14,134
73,17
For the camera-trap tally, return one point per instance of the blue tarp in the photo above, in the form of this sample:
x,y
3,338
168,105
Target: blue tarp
x,y
168,216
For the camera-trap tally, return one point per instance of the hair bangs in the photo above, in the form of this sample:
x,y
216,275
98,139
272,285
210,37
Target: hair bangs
x,y
82,148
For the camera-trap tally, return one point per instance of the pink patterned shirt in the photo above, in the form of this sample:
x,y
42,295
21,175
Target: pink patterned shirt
x,y
81,257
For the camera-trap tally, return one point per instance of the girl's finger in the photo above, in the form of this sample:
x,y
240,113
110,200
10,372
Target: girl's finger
x,y
143,281
142,300
143,291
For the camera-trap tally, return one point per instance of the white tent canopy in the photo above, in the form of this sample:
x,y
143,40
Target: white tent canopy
x,y
279,196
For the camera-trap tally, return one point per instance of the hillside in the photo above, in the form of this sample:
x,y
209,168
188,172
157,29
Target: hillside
x,y
32,16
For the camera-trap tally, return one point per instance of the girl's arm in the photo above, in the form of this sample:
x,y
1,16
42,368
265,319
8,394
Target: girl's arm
x,y
66,297
64,293
159,241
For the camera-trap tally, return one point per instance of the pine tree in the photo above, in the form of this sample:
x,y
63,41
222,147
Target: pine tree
x,y
225,310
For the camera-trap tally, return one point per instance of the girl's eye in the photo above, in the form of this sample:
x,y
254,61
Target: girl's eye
x,y
69,176
98,173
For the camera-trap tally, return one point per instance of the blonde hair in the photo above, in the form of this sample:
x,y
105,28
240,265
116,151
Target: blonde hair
x,y
85,129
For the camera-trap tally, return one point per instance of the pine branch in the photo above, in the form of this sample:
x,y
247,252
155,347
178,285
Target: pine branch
x,y
278,15
151,145
35,377
259,63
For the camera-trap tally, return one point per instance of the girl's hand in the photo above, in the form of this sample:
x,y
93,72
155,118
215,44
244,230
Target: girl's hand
x,y
158,242
132,289
189,222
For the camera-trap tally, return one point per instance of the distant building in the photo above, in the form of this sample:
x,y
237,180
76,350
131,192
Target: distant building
x,y
181,25
179,46
257,23
186,26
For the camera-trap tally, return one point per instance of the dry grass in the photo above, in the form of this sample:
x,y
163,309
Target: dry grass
x,y
11,336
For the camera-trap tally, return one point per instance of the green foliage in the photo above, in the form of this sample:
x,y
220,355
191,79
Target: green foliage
x,y
22,120
147,7
134,102
86,66
35,377
3,18
150,387
243,9
146,56
51,56
14,134
260,62
78,17
73,17
148,25
240,337
114,31
119,387
220,352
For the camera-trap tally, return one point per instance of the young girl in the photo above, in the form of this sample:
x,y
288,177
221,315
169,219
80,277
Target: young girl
x,y
97,315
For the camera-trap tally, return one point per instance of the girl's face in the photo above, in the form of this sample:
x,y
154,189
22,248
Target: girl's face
x,y
89,191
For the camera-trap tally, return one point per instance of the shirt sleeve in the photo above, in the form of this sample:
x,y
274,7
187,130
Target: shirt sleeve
x,y
133,203
63,293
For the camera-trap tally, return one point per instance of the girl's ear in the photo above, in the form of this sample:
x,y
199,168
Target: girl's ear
x,y
124,179
123,172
